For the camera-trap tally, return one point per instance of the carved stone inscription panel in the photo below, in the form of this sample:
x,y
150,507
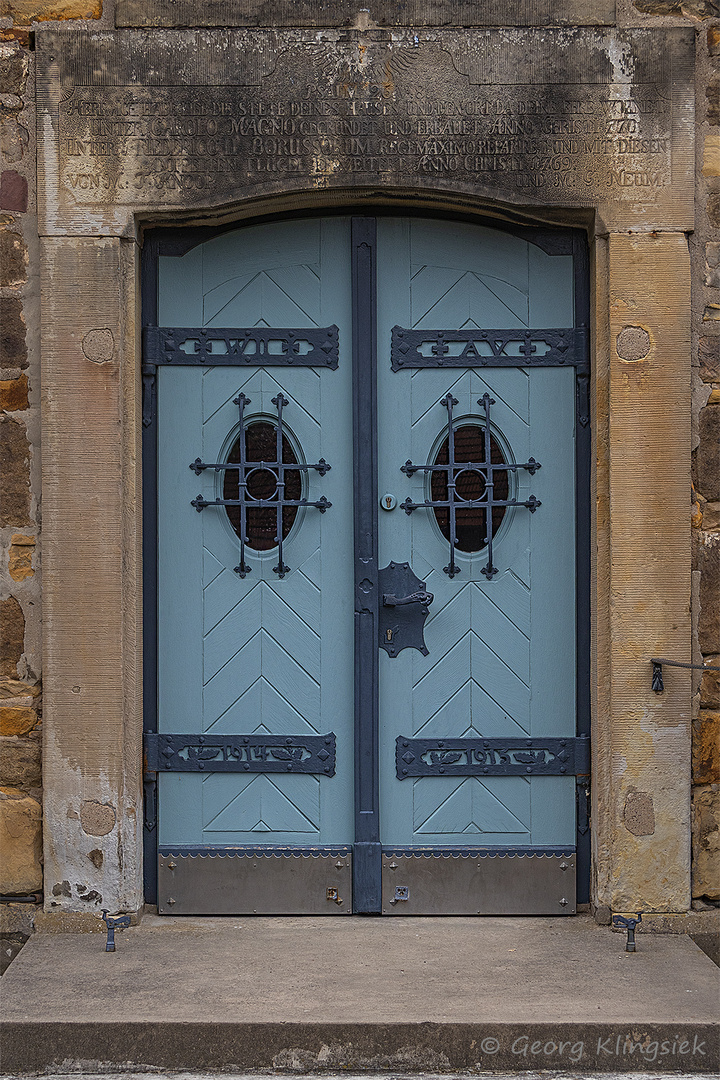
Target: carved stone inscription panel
x,y
202,119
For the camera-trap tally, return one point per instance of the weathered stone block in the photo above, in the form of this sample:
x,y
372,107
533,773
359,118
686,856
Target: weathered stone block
x,y
345,115
20,761
709,357
707,456
13,349
378,12
706,748
14,138
20,842
706,842
17,719
712,93
711,158
14,473
20,557
15,689
27,11
13,191
713,40
13,69
710,685
713,209
711,515
693,9
13,254
12,635
14,394
708,563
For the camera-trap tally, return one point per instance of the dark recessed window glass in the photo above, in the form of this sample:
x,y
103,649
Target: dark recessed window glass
x,y
262,483
470,484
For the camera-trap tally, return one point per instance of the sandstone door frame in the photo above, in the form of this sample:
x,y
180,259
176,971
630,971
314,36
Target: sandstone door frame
x,y
640,573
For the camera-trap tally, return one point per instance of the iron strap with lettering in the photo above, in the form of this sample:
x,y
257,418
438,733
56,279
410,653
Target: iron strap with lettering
x,y
240,753
492,757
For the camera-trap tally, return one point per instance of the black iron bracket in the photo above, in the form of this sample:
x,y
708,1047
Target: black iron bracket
x,y
628,924
240,753
492,757
566,347
658,685
113,923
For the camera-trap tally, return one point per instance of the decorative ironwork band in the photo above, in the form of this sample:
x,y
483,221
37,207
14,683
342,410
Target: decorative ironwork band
x,y
490,852
241,753
492,757
253,346
564,347
251,851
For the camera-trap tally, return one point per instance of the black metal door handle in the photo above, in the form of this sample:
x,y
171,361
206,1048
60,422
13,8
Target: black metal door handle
x,y
422,597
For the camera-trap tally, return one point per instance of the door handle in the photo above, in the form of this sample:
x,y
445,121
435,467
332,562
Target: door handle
x,y
421,597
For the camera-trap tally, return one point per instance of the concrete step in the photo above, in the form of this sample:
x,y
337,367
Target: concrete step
x,y
400,994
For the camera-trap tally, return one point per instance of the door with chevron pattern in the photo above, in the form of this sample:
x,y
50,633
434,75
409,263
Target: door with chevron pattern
x,y
366,588
500,633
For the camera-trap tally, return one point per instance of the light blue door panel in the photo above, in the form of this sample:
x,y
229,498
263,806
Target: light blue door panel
x,y
262,654
501,652
257,654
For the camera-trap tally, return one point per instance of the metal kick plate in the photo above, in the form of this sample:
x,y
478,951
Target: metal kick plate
x,y
478,884
236,882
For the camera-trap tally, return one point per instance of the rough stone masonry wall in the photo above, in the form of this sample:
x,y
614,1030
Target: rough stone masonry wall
x,y
20,607
706,474
20,610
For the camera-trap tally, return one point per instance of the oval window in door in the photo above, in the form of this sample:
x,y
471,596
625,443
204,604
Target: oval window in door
x,y
470,486
262,483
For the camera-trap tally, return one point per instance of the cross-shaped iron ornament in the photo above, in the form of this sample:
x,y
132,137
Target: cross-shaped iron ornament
x,y
454,502
246,500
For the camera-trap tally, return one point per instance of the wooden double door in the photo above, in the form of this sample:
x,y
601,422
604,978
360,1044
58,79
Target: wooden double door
x,y
364,685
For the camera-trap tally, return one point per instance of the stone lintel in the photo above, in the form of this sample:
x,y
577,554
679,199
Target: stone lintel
x,y
206,120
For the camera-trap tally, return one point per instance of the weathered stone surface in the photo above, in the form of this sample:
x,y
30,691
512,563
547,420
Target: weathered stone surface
x,y
14,138
706,842
707,456
711,515
711,158
20,842
712,253
713,209
12,635
20,557
711,313
708,562
13,191
13,348
706,748
712,93
713,40
14,688
227,115
97,819
381,12
20,763
27,11
710,685
712,277
14,473
17,719
639,813
13,255
709,357
694,9
14,394
13,69
632,343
